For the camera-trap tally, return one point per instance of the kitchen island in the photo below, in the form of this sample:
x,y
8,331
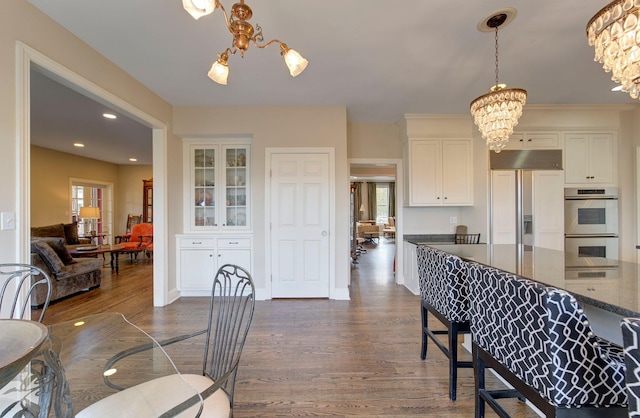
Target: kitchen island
x,y
607,289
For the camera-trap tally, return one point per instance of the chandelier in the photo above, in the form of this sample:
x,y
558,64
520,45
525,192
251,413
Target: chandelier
x,y
496,113
243,35
615,33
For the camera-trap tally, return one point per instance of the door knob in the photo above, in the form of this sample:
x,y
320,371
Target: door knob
x,y
324,233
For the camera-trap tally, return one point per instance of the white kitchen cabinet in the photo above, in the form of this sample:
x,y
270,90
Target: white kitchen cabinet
x,y
217,185
589,158
199,258
439,172
534,140
410,267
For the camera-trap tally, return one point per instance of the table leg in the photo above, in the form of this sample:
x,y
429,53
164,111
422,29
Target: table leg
x,y
114,259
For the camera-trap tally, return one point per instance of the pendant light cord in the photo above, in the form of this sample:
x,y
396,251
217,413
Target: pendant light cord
x,y
496,57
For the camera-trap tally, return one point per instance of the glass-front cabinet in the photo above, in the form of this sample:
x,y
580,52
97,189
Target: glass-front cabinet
x,y
218,189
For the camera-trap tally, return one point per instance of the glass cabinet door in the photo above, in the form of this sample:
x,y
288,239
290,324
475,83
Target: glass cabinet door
x,y
236,177
204,186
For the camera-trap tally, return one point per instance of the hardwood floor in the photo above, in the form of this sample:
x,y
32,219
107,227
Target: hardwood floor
x,y
309,357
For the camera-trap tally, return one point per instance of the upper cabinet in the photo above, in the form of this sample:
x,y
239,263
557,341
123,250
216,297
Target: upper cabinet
x,y
217,176
534,140
589,158
439,172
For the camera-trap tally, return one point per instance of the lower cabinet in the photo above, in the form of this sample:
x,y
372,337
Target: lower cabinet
x,y
199,258
410,267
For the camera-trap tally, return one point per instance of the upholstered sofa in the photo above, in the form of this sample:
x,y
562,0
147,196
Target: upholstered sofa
x,y
68,275
67,231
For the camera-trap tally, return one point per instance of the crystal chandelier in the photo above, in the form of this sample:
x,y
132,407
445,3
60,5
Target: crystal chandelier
x,y
615,33
496,113
243,35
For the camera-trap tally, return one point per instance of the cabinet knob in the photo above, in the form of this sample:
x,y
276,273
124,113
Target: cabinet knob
x,y
438,197
522,140
210,255
445,198
529,140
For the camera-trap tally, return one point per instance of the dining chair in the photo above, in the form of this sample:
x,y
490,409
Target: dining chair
x,y
18,277
467,239
230,314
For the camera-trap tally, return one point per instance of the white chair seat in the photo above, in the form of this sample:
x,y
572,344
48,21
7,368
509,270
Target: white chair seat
x,y
155,397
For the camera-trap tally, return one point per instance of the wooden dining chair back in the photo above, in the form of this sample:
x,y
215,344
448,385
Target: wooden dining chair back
x,y
467,239
132,220
19,282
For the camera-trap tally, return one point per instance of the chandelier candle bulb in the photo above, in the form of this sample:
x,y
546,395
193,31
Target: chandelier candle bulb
x,y
614,32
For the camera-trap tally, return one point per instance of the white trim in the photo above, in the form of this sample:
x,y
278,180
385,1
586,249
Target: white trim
x,y
25,57
269,151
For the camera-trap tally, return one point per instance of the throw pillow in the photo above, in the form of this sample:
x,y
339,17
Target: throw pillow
x,y
71,233
56,230
49,256
57,244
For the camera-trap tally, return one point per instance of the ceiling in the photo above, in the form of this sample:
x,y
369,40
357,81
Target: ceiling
x,y
379,61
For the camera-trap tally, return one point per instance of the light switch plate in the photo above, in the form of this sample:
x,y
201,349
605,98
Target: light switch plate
x,y
453,220
8,220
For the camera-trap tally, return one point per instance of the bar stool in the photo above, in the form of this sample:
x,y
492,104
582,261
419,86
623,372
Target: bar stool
x,y
630,336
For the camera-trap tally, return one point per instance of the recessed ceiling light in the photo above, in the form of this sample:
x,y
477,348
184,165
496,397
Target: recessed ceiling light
x,y
133,159
617,88
78,144
109,115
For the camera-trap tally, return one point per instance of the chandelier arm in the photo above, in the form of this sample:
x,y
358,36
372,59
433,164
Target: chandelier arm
x,y
267,44
226,17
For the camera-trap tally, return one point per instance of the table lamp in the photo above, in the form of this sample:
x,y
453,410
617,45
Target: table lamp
x,y
88,212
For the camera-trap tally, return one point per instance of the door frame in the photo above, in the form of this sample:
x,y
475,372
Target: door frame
x,y
25,58
398,163
269,152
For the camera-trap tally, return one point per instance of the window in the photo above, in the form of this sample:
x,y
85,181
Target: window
x,y
382,203
92,195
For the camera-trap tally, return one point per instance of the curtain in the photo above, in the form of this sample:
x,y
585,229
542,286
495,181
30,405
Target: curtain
x,y
371,196
357,202
392,200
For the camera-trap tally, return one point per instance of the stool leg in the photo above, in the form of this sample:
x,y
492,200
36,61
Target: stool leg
x,y
453,360
425,319
478,368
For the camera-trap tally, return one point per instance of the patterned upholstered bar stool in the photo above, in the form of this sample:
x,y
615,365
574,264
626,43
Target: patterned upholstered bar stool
x,y
538,339
443,290
631,341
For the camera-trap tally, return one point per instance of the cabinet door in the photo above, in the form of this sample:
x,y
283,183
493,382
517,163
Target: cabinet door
x,y
576,158
548,209
540,140
456,172
239,257
236,190
601,158
203,187
426,181
197,269
516,141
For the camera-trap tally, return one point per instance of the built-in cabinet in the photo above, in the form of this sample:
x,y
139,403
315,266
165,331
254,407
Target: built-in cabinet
x,y
534,140
217,186
147,201
439,172
217,206
200,256
589,158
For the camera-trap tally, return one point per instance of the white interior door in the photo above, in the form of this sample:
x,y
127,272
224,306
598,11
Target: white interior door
x,y
548,209
299,225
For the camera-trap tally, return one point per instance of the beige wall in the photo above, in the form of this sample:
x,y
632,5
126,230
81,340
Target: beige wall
x,y
20,21
373,141
280,127
128,195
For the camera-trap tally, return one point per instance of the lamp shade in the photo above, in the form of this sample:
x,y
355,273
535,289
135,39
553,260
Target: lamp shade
x,y
295,62
88,212
199,8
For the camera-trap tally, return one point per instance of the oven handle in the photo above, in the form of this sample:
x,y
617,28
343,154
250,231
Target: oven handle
x,y
590,198
590,235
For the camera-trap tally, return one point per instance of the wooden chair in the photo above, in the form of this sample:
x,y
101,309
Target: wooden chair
x,y
131,221
230,314
18,277
467,239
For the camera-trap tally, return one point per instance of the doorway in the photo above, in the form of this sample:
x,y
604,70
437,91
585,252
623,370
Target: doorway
x,y
28,58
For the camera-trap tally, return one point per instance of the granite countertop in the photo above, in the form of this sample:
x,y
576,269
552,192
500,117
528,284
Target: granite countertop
x,y
611,285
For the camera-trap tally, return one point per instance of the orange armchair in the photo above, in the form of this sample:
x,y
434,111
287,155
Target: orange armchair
x,y
140,239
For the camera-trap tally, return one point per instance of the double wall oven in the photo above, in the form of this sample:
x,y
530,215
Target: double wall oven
x,y
591,222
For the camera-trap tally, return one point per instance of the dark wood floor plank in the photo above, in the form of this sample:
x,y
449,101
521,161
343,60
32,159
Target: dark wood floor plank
x,y
308,357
